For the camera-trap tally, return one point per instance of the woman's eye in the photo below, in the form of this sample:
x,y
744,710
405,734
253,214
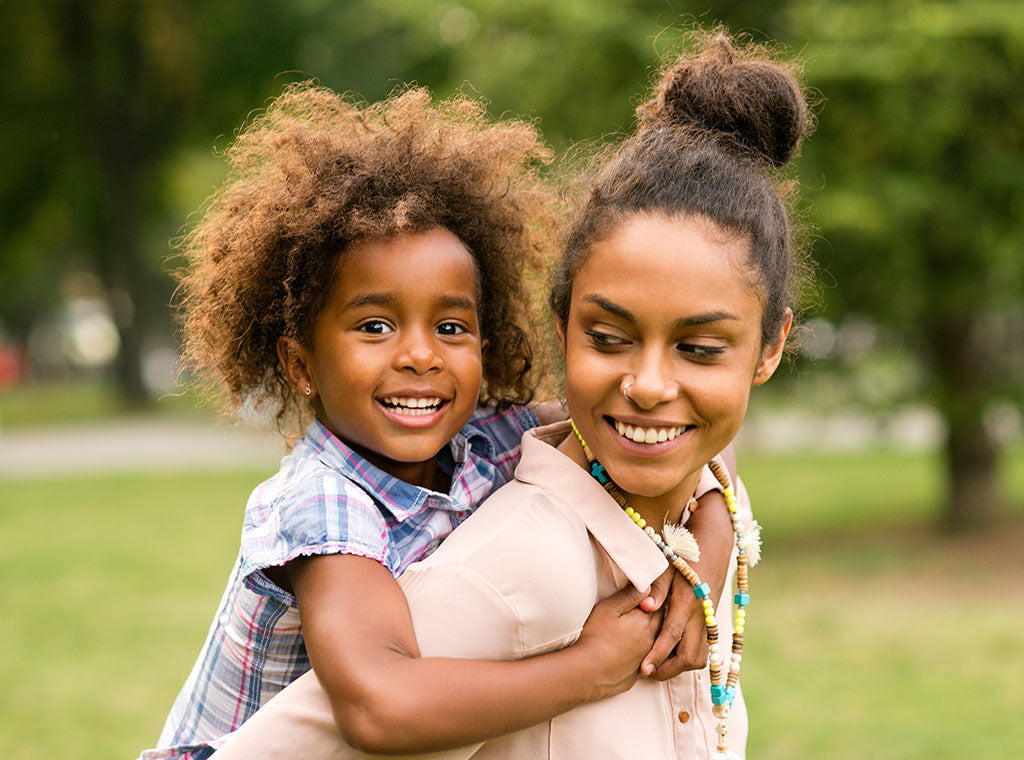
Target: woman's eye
x,y
375,327
451,328
699,351
603,339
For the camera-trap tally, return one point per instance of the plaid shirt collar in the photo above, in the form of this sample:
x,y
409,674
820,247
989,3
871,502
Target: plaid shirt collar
x,y
399,498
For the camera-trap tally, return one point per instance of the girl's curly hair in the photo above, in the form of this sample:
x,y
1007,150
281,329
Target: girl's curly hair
x,y
316,172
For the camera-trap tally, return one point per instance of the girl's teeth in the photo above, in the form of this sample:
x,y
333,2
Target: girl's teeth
x,y
647,435
413,406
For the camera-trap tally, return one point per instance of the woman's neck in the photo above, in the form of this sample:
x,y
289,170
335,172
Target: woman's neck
x,y
656,510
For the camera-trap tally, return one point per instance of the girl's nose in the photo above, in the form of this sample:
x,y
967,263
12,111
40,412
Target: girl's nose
x,y
418,353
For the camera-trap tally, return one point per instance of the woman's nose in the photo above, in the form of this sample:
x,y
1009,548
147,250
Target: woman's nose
x,y
652,383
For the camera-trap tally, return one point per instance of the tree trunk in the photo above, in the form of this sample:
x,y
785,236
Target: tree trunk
x,y
961,360
971,461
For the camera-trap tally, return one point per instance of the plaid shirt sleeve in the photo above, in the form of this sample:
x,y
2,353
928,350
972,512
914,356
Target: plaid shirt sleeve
x,y
314,510
504,431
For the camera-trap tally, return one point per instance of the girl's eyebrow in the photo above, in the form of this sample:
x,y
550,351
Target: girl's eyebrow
x,y
383,299
370,299
626,314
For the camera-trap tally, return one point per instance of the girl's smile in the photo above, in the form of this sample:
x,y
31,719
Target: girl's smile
x,y
663,344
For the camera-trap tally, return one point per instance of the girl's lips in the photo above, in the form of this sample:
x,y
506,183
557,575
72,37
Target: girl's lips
x,y
413,412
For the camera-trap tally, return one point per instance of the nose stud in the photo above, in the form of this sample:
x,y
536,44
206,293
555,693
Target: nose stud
x,y
626,385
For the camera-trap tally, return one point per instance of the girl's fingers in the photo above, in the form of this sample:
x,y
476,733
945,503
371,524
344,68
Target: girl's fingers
x,y
659,591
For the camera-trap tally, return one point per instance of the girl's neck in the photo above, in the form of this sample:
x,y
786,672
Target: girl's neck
x,y
423,474
656,510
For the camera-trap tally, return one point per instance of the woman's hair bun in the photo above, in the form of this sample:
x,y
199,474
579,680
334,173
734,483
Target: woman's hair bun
x,y
739,92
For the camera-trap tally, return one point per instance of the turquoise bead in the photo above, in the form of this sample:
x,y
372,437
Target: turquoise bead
x,y
742,599
718,695
702,590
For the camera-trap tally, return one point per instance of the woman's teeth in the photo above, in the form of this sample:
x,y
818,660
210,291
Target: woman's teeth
x,y
647,434
412,406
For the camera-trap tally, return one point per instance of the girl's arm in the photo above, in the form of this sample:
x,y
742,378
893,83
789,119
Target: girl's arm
x,y
387,699
681,644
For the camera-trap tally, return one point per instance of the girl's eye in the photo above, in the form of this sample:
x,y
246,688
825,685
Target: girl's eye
x,y
604,340
451,328
699,351
375,327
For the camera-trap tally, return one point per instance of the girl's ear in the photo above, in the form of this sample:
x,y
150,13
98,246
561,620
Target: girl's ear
x,y
771,355
296,361
484,345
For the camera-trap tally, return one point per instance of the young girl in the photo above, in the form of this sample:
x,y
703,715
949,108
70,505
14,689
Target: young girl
x,y
672,300
363,263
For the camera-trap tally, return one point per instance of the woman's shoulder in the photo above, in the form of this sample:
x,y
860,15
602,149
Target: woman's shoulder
x,y
527,558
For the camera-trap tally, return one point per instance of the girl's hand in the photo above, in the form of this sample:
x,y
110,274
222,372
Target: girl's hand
x,y
682,642
615,638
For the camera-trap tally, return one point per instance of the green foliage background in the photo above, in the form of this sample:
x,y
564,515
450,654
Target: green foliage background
x,y
879,638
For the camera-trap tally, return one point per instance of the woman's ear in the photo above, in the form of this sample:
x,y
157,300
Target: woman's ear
x,y
771,354
560,333
297,363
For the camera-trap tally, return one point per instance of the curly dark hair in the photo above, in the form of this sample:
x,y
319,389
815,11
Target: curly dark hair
x,y
713,140
316,172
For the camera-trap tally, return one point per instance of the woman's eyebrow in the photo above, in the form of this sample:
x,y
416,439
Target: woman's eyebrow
x,y
693,321
703,319
608,306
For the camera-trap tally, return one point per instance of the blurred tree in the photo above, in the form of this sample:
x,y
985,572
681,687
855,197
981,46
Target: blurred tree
x,y
102,94
921,147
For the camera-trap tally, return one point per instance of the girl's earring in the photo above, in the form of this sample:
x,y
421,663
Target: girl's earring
x,y
309,388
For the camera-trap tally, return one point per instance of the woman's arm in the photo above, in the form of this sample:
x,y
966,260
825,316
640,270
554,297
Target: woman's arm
x,y
387,699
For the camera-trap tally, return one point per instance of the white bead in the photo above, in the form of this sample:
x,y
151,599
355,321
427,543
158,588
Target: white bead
x,y
714,659
737,657
735,667
712,648
650,531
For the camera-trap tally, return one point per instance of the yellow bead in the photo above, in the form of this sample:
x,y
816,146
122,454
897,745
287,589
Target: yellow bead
x,y
709,620
642,523
629,511
741,614
739,628
706,602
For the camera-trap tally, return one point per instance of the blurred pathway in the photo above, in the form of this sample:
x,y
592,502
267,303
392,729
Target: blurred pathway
x,y
160,444
135,445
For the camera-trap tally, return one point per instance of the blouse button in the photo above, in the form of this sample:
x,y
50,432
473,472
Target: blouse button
x,y
683,716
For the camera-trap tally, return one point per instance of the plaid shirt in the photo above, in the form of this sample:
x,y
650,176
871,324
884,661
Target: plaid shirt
x,y
325,499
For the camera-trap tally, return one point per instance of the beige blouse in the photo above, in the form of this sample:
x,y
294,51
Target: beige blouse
x,y
519,578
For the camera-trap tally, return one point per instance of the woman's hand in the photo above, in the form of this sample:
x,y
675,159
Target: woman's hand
x,y
615,638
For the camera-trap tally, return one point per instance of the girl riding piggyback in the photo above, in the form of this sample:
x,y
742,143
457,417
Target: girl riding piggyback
x,y
361,271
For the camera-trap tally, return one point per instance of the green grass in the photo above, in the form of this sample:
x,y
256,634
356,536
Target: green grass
x,y
81,402
870,636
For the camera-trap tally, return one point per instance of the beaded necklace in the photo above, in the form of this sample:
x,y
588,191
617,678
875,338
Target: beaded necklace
x,y
748,552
